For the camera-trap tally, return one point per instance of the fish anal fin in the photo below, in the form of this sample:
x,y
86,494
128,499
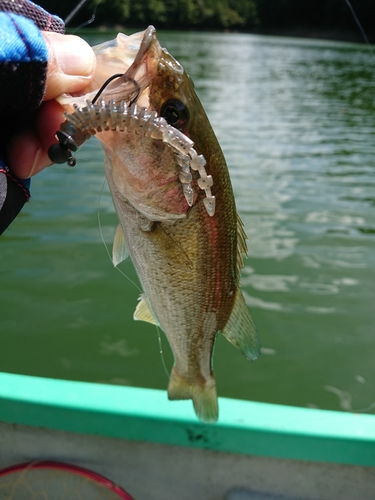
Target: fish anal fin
x,y
240,329
119,250
204,397
143,312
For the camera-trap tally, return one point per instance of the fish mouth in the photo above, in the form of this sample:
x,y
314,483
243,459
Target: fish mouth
x,y
133,84
134,59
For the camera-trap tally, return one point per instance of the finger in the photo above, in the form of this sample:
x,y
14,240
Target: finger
x,y
26,155
71,64
28,150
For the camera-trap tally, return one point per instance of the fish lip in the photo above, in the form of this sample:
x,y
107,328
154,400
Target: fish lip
x,y
148,39
126,86
146,43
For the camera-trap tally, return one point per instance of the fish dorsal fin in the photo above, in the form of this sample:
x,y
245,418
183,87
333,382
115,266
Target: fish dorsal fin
x,y
143,312
119,250
240,329
241,245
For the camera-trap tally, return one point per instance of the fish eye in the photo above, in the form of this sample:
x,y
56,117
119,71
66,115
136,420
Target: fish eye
x,y
175,113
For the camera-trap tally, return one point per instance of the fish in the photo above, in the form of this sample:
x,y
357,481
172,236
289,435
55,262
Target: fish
x,y
174,199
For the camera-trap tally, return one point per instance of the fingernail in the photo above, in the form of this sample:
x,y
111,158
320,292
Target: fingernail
x,y
74,56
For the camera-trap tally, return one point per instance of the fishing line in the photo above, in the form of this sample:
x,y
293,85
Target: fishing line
x,y
161,352
75,11
361,29
105,244
100,91
365,37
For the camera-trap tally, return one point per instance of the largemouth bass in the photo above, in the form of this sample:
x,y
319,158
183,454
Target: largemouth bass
x,y
176,209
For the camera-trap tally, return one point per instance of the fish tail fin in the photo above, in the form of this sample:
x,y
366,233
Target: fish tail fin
x,y
204,397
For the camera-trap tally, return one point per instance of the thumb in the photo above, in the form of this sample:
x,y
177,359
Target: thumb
x,y
71,64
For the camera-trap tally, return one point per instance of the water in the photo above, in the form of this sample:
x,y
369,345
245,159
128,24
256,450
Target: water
x,y
296,122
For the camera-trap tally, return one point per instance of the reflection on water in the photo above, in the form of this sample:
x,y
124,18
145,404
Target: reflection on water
x,y
296,121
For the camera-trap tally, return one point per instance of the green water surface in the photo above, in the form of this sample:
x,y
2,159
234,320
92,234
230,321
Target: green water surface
x,y
296,121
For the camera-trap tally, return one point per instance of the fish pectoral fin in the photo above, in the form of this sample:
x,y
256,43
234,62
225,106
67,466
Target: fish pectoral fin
x,y
120,250
171,249
240,329
204,397
143,311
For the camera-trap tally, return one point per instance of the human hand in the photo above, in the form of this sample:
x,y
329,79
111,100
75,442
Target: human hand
x,y
71,64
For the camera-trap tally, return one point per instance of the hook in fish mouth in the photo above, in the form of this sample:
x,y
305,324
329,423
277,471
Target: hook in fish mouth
x,y
138,68
137,90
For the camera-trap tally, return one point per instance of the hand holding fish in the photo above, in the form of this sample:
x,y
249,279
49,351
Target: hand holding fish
x,y
71,65
37,63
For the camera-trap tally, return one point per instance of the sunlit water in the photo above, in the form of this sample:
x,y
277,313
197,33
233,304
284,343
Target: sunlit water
x,y
296,122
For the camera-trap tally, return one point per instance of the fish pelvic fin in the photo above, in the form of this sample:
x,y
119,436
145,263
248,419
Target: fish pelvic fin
x,y
143,311
204,397
240,329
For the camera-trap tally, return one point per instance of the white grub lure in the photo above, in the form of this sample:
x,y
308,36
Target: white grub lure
x,y
86,121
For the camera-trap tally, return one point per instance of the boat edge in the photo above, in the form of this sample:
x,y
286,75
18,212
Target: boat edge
x,y
139,414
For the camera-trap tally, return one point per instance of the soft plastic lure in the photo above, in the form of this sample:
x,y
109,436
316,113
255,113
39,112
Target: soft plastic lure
x,y
92,118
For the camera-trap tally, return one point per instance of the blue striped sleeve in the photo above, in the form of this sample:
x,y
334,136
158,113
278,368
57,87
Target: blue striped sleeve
x,y
20,40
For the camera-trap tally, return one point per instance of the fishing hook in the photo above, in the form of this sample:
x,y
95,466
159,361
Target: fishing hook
x,y
75,11
113,77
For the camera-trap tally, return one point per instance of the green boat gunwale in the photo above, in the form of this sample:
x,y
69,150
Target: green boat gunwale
x,y
138,414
